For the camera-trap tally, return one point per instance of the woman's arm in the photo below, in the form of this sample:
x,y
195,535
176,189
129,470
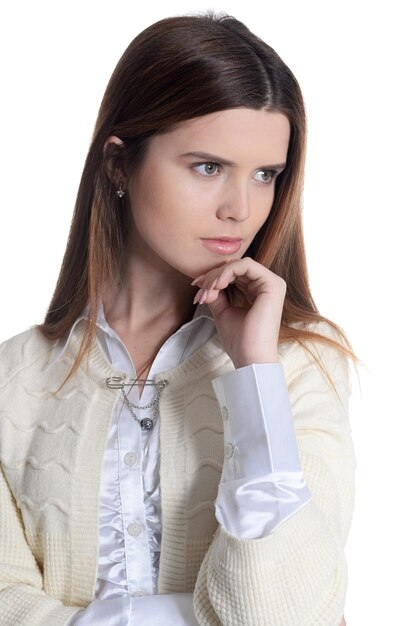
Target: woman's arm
x,y
175,609
22,599
262,482
303,559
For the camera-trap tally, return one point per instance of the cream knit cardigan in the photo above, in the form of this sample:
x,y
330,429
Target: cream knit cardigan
x,y
51,451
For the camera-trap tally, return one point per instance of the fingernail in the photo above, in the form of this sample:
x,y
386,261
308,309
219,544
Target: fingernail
x,y
197,295
204,296
195,281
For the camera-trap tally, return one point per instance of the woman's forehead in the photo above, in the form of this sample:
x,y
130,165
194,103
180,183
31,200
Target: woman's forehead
x,y
228,133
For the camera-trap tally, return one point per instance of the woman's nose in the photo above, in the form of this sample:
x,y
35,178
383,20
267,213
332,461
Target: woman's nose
x,y
235,202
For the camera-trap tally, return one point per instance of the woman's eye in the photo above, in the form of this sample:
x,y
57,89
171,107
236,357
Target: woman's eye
x,y
270,175
208,168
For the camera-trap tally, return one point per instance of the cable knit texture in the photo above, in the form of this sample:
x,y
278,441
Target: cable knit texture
x,y
51,452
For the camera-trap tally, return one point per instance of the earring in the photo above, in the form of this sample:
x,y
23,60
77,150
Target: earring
x,y
120,191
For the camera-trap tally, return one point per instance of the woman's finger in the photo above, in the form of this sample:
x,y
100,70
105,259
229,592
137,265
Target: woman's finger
x,y
242,271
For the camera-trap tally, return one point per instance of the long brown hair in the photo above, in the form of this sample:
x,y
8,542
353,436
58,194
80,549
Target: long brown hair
x,y
179,68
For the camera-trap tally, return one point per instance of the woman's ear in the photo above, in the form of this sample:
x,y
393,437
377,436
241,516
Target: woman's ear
x,y
112,159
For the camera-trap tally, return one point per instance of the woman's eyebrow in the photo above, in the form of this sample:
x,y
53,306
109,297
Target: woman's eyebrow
x,y
217,159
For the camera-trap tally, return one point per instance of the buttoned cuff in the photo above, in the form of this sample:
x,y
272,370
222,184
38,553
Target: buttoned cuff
x,y
259,435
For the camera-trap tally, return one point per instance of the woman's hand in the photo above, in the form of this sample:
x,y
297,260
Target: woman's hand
x,y
248,336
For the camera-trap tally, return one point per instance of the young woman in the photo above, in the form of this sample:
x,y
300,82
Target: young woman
x,y
175,442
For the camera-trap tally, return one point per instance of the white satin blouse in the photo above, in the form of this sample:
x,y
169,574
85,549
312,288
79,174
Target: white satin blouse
x,y
253,497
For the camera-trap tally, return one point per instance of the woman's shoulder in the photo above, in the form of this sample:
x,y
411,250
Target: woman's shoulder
x,y
318,327
298,356
23,349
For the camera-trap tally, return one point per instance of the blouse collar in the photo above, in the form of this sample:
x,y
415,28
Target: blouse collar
x,y
202,310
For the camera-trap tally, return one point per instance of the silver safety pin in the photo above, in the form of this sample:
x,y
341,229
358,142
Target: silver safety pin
x,y
115,382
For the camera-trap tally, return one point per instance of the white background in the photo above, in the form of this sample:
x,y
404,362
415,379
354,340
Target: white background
x,y
355,62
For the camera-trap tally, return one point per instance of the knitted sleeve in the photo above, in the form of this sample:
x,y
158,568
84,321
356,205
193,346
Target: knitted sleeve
x,y
296,576
23,602
22,599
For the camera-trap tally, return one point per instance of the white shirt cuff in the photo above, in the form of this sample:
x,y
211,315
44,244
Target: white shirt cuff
x,y
259,434
262,483
110,612
175,609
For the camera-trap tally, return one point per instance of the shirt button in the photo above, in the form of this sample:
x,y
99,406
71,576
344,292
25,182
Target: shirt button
x,y
225,413
229,450
134,529
130,458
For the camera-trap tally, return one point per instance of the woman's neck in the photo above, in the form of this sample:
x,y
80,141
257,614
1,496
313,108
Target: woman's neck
x,y
149,301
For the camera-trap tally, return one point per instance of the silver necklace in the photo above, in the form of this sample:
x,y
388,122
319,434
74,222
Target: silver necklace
x,y
115,382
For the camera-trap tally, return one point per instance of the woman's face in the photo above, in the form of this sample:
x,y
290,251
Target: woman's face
x,y
178,198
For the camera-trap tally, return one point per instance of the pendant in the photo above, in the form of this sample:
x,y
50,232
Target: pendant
x,y
146,423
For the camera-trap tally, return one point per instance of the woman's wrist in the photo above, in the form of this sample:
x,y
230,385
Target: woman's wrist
x,y
244,361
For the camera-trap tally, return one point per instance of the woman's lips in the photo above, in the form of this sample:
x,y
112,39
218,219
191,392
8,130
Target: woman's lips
x,y
220,246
